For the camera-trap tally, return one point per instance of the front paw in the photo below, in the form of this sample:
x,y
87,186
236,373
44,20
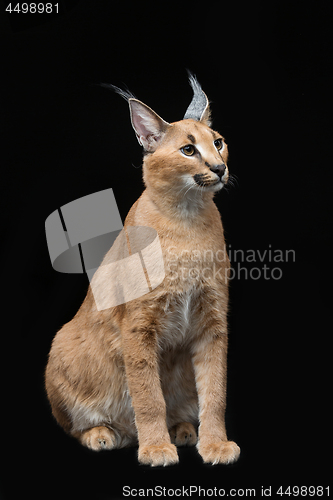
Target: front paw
x,y
221,452
154,455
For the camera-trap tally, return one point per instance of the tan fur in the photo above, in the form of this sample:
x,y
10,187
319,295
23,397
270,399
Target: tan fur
x,y
135,372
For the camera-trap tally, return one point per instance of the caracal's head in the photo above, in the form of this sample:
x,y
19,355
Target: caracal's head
x,y
182,157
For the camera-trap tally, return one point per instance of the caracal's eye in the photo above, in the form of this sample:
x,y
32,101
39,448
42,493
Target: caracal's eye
x,y
218,144
188,150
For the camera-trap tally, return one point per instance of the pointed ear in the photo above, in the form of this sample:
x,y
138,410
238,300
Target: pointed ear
x,y
148,126
199,108
206,116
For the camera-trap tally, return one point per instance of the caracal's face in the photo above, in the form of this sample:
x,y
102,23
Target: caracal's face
x,y
193,155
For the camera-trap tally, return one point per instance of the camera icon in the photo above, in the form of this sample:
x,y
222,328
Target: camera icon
x,y
87,236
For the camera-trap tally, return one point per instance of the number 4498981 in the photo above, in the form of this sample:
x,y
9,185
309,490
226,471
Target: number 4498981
x,y
304,491
33,8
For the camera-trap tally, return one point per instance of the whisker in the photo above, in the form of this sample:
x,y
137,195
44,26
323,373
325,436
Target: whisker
x,y
192,185
202,191
185,187
233,180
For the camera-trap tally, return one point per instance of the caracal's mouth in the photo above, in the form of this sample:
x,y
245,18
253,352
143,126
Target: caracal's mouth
x,y
205,181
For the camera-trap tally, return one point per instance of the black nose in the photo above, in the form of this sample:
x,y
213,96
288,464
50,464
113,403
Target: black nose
x,y
218,169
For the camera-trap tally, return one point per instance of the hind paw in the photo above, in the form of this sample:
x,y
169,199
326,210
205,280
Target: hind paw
x,y
98,438
183,434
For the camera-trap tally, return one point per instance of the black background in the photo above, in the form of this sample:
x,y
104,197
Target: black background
x,y
266,67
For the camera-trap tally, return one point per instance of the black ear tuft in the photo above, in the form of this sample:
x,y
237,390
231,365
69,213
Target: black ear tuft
x,y
199,107
125,94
